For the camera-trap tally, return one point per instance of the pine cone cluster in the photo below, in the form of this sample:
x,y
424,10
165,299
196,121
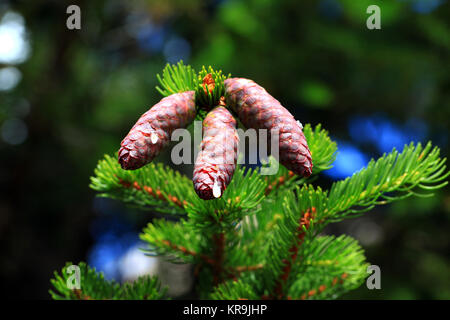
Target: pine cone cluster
x,y
216,161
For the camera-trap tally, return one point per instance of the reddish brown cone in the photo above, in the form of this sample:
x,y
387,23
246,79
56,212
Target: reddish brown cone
x,y
257,109
217,158
152,131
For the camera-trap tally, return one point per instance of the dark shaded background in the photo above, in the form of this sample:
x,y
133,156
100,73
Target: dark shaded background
x,y
68,97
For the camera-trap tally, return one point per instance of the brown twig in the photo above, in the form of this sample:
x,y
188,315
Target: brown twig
x,y
154,193
186,251
278,182
80,296
240,269
219,251
323,287
234,272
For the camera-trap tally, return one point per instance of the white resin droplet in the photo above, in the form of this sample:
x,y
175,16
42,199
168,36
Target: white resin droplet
x,y
154,138
300,124
216,190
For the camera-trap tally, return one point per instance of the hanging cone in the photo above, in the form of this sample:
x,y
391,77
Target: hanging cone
x,y
152,131
257,109
217,158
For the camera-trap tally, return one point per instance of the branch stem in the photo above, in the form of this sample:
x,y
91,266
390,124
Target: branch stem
x,y
219,250
305,221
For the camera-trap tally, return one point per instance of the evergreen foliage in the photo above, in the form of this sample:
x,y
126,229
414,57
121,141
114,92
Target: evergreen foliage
x,y
262,239
93,286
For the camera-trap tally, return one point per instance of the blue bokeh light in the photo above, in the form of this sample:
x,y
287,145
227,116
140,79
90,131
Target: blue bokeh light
x,y
151,38
383,133
105,253
113,237
177,49
425,6
375,130
349,160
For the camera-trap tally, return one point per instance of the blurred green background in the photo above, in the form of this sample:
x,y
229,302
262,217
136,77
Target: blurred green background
x,y
69,96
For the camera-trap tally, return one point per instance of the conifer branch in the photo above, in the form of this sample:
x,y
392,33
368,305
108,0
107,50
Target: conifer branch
x,y
244,193
240,269
234,290
154,186
154,193
416,167
303,225
345,268
173,239
219,251
323,149
320,290
93,286
176,78
291,231
260,238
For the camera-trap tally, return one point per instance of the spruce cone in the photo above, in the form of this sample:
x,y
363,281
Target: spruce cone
x,y
257,109
217,158
152,131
